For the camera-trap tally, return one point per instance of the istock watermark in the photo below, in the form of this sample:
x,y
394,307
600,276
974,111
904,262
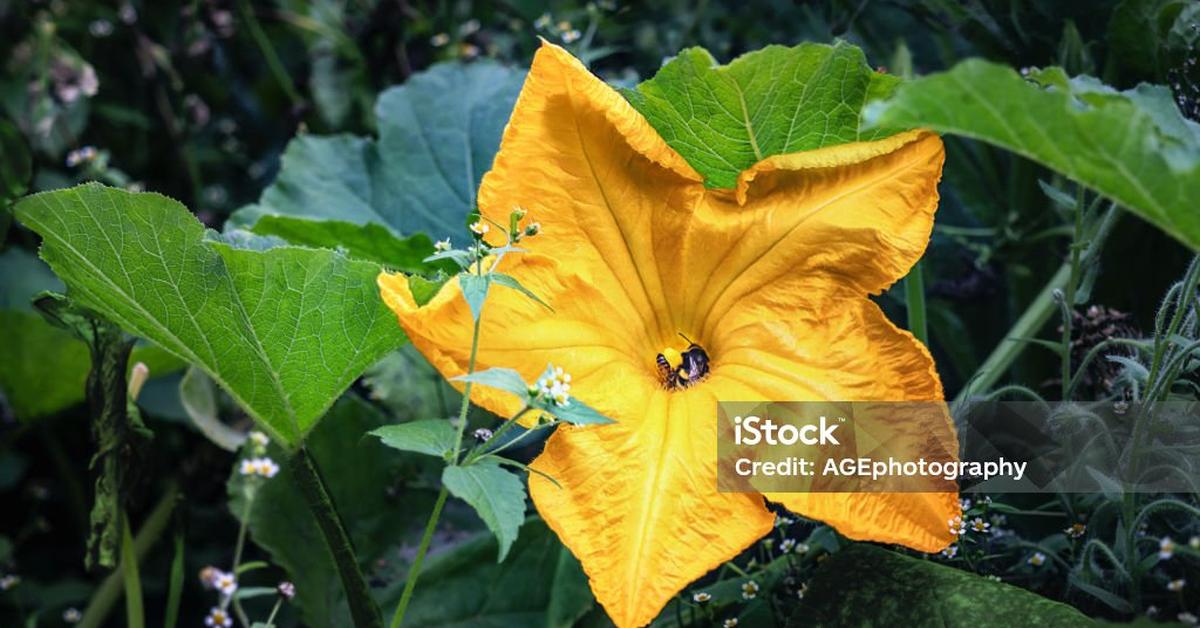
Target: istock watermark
x,y
1015,447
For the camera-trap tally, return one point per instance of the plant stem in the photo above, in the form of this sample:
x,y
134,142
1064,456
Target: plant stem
x,y
1036,315
1069,301
415,571
466,399
1014,342
175,586
268,52
237,553
109,591
135,612
320,503
914,299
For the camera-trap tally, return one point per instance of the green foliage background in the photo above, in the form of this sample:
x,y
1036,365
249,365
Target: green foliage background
x,y
274,115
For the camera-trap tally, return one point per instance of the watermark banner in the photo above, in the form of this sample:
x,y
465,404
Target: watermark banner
x,y
988,446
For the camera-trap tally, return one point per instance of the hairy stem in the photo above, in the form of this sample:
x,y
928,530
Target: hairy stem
x,y
320,503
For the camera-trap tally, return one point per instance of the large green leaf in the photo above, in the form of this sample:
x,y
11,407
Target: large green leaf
x,y
866,585
1133,147
377,493
723,119
370,242
438,134
539,584
283,330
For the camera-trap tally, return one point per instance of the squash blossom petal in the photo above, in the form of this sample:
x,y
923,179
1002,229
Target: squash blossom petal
x,y
770,279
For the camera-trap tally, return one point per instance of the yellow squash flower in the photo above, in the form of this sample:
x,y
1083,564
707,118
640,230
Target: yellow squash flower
x,y
770,280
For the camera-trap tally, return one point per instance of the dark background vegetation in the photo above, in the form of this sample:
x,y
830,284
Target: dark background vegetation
x,y
198,99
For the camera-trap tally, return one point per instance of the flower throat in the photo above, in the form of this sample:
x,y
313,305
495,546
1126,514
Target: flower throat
x,y
678,370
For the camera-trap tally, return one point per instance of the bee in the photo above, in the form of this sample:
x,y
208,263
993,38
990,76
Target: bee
x,y
680,370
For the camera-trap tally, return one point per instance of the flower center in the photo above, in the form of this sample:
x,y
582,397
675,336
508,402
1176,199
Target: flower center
x,y
680,369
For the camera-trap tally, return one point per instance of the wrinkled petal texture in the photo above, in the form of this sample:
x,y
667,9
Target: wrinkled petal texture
x,y
771,278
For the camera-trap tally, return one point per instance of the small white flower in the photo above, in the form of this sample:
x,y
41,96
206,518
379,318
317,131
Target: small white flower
x,y
9,581
1194,542
951,551
957,525
225,583
267,467
218,618
480,228
979,525
441,246
802,548
1151,611
72,615
439,40
802,591
730,623
556,387
787,545
782,521
543,22
701,597
1166,548
1037,559
248,466
482,434
1187,618
1176,585
287,590
964,503
1076,530
749,590
258,438
571,36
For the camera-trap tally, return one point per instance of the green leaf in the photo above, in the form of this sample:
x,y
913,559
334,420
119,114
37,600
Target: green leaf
x,y
576,413
474,290
438,133
497,495
424,289
539,584
499,378
509,281
1136,32
432,437
723,119
381,497
1133,147
284,331
868,585
198,396
370,242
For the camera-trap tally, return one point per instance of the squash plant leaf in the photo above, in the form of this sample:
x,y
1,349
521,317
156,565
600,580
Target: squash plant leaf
x,y
723,119
283,330
1133,147
370,242
438,133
